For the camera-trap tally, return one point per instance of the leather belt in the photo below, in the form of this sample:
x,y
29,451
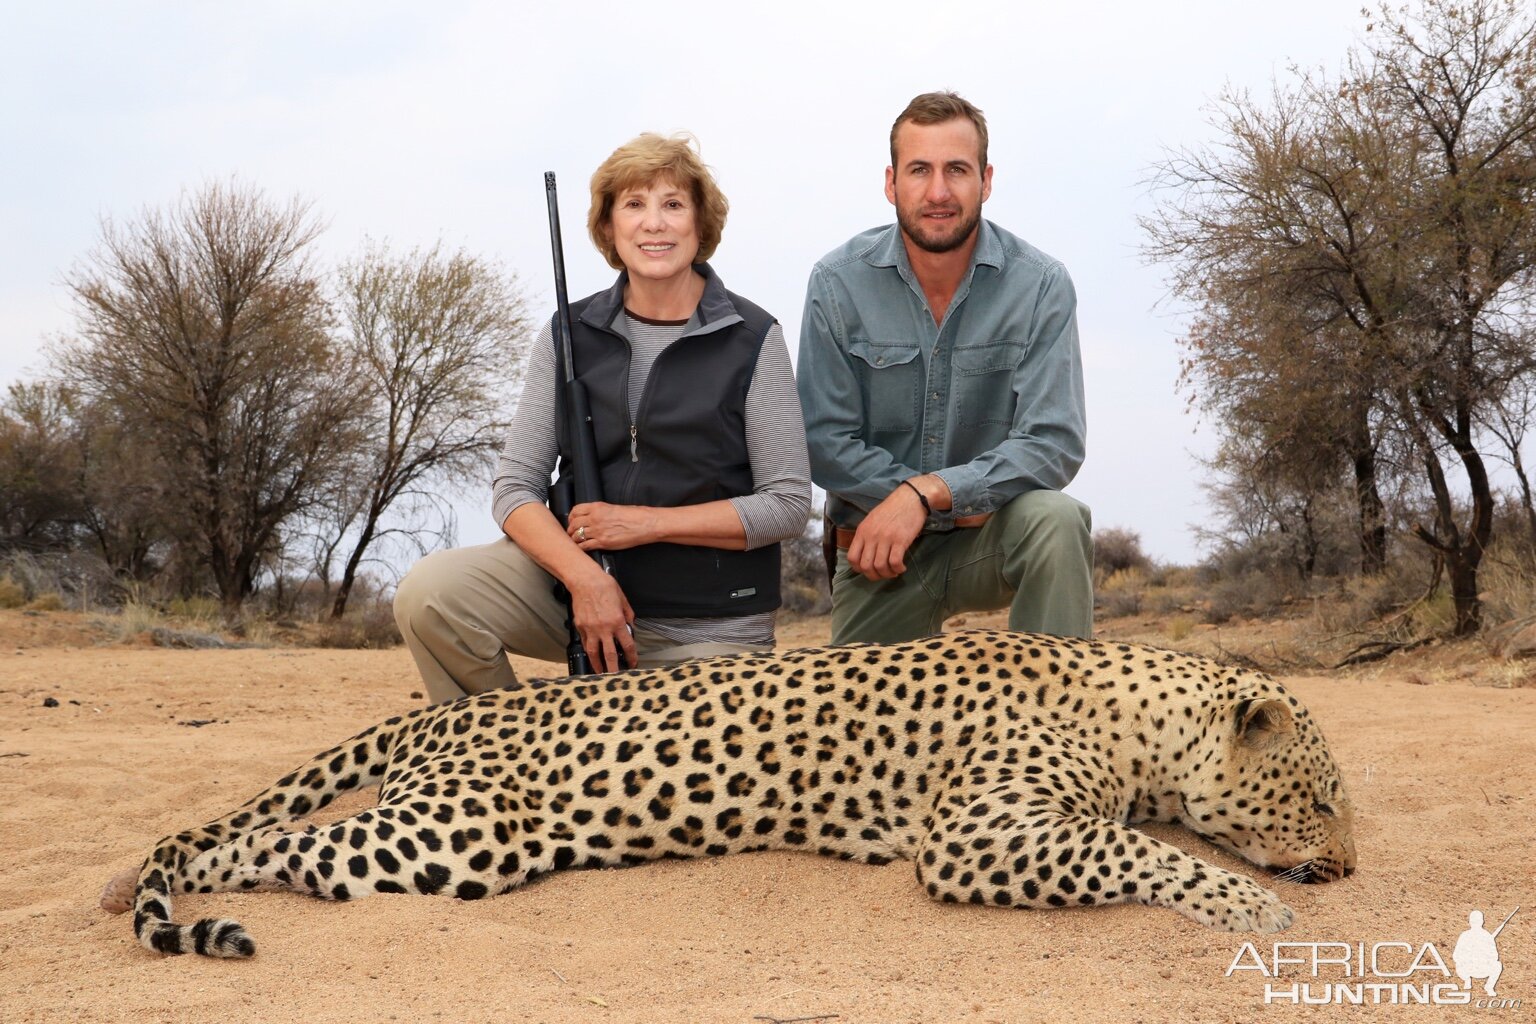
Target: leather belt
x,y
844,534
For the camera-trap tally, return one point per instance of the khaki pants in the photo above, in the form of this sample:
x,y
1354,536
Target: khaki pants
x,y
462,611
1034,557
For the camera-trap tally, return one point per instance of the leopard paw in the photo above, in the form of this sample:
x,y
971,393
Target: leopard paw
x,y
1237,904
117,897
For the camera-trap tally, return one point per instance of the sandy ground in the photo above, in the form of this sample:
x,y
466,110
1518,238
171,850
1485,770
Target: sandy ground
x,y
145,741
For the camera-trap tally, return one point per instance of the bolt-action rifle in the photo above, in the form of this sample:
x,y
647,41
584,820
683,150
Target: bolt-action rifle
x,y
586,484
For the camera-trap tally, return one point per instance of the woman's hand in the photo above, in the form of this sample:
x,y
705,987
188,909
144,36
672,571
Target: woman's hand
x,y
602,617
599,526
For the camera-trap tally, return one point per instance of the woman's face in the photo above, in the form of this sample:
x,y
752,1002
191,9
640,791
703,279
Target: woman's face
x,y
654,231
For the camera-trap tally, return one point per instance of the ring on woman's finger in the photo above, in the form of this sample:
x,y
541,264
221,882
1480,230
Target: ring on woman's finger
x,y
581,533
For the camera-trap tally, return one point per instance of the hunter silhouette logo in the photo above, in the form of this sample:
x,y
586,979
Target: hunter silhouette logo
x,y
1375,973
1477,954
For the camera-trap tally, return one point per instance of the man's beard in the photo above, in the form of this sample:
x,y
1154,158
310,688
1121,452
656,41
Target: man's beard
x,y
919,231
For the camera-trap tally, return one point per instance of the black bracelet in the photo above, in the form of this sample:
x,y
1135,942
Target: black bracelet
x,y
920,497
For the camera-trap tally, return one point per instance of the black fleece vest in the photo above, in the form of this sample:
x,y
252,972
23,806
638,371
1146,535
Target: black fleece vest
x,y
687,446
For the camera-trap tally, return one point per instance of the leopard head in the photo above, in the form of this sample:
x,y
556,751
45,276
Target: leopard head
x,y
1267,788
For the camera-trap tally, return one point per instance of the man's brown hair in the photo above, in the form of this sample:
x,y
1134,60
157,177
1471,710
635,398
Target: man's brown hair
x,y
937,108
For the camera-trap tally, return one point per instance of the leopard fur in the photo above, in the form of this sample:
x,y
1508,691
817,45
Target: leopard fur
x,y
1009,767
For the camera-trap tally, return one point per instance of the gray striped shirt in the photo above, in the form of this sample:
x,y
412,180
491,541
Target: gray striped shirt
x,y
777,508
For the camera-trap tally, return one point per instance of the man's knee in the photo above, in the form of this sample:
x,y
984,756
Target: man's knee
x,y
1050,518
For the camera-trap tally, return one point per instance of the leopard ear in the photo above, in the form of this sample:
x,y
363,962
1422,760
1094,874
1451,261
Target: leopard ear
x,y
1261,722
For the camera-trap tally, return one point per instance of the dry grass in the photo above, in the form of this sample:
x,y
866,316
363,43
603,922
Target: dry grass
x,y
1281,623
200,623
1180,627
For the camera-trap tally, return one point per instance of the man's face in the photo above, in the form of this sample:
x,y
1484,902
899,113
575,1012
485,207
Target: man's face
x,y
938,184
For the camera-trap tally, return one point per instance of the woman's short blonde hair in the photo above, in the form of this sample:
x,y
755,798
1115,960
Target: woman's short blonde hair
x,y
642,162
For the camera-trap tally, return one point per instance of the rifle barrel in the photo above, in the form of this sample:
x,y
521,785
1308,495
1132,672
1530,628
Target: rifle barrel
x,y
587,480
562,298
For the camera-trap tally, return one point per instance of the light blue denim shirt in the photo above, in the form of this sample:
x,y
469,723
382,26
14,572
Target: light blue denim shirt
x,y
991,401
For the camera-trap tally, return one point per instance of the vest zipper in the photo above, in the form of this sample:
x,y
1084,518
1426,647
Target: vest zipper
x,y
634,443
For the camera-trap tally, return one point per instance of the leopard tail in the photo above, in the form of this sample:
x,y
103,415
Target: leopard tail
x,y
347,766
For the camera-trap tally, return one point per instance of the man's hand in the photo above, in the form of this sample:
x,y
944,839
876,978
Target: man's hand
x,y
879,548
599,526
602,617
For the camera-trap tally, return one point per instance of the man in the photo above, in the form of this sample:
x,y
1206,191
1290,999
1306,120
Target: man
x,y
943,396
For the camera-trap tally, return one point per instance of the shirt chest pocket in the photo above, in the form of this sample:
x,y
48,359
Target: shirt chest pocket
x,y
984,381
891,376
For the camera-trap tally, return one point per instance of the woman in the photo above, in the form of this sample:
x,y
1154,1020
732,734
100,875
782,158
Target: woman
x,y
701,449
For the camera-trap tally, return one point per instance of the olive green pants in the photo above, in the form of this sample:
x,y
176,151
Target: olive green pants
x,y
461,611
1033,557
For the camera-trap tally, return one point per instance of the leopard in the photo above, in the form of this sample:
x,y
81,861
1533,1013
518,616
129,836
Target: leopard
x,y
1010,768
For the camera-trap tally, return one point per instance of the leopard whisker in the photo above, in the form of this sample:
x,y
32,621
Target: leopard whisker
x,y
1302,872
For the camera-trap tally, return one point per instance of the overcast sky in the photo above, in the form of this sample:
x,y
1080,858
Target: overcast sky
x,y
413,122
